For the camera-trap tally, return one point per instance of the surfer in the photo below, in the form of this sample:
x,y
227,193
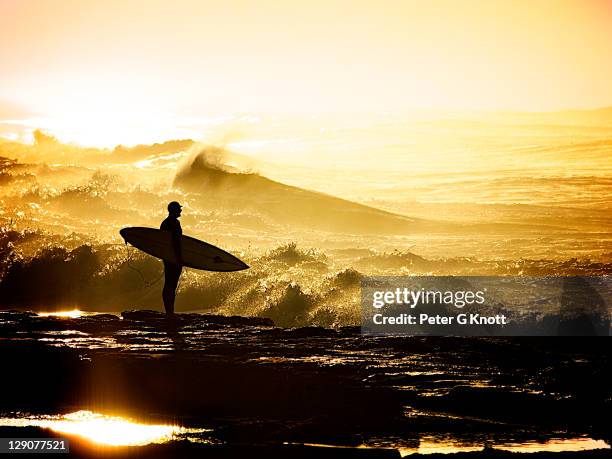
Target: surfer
x,y
172,271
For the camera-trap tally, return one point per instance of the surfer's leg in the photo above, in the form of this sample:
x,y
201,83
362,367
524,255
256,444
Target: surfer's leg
x,y
166,294
172,273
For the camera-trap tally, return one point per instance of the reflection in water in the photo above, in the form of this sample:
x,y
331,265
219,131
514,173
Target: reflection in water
x,y
103,429
556,445
73,314
173,331
432,445
118,431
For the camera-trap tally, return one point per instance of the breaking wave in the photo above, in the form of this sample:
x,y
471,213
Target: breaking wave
x,y
293,286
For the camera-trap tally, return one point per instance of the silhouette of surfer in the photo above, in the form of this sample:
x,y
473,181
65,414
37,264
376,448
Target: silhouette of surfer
x,y
172,271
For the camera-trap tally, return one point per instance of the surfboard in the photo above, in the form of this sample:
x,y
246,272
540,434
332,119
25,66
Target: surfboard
x,y
196,254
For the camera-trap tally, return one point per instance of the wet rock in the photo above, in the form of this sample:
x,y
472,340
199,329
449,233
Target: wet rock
x,y
13,314
237,321
142,314
204,319
305,332
99,323
310,384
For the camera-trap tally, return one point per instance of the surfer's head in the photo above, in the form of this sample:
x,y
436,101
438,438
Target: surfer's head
x,y
175,209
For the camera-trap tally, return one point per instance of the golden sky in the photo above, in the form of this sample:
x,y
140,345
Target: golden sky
x,y
66,58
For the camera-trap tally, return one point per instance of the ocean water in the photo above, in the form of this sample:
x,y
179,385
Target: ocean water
x,y
312,205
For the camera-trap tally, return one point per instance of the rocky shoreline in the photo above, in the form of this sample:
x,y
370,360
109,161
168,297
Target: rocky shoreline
x,y
264,391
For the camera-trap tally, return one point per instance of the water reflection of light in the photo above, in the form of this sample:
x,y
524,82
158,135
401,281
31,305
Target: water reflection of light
x,y
431,445
103,429
556,445
73,314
